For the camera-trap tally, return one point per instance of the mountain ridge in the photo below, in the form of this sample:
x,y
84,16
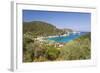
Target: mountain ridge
x,y
42,28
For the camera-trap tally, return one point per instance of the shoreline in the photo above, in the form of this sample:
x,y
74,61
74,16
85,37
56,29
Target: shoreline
x,y
42,38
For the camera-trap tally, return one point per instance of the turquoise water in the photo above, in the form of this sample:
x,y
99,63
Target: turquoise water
x,y
64,39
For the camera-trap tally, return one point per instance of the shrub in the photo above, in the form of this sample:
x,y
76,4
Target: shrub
x,y
52,53
77,49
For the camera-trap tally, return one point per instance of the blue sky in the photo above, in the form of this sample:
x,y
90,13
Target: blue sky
x,y
73,20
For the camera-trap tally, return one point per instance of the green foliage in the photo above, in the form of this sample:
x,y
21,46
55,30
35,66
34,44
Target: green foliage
x,y
35,51
27,39
77,49
27,57
32,50
74,50
52,53
39,28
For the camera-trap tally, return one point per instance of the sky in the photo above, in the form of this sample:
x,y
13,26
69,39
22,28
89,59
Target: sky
x,y
72,20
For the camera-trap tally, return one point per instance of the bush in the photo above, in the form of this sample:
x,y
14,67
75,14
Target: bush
x,y
27,57
77,49
52,53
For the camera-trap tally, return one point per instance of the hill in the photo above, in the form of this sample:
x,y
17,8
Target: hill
x,y
41,28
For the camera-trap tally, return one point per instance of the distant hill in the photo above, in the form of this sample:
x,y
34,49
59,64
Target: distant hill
x,y
66,30
42,28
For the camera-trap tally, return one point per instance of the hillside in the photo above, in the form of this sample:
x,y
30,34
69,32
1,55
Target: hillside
x,y
41,28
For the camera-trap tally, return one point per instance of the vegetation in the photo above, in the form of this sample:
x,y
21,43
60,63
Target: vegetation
x,y
39,28
77,49
37,51
52,53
